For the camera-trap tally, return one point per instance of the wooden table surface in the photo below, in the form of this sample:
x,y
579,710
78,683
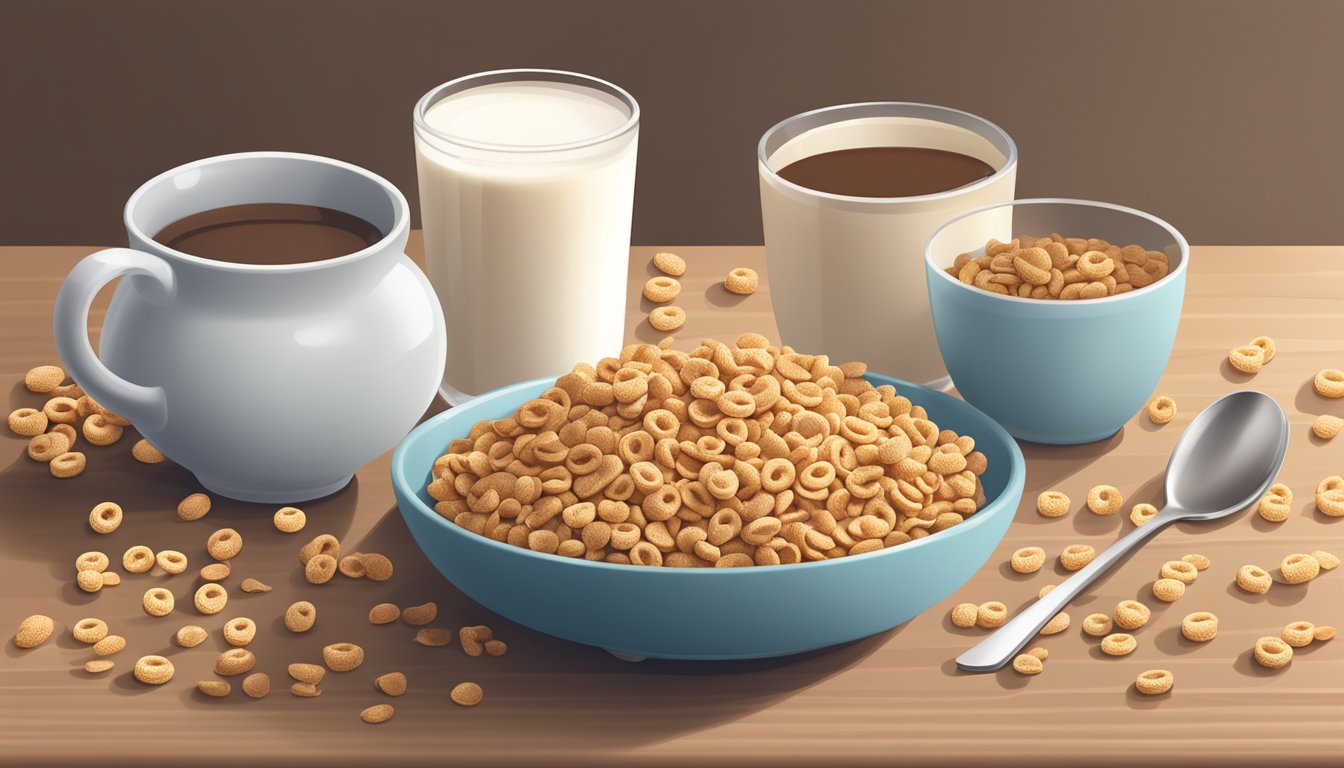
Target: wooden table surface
x,y
893,698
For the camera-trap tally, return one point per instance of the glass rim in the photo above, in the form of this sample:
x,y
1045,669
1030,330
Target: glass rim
x,y
800,124
457,85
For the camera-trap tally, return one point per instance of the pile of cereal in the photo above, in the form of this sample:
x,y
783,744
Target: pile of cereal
x,y
728,456
1060,268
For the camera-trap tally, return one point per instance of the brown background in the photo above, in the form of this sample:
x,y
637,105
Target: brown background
x,y
1222,117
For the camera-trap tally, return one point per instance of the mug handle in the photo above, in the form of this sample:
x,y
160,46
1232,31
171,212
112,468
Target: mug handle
x,y
146,407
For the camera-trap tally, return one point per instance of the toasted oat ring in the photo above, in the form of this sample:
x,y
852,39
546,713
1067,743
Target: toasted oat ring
x,y
322,544
43,378
1142,513
319,569
742,281
1276,505
1097,624
1254,579
351,566
193,507
1248,359
99,430
1119,644
1299,634
1325,427
153,670
47,446
300,616
991,615
235,661
1052,504
28,422
667,318
1154,682
1027,664
1272,652
1266,344
1027,560
191,636
1299,568
145,453
1329,383
1104,500
61,410
1094,265
1199,627
89,631
224,544
392,683
669,263
1075,556
89,581
963,614
70,464
211,598
661,290
342,657
467,694
1161,409
289,519
91,561
1168,590
105,517
1131,614
240,631
138,559
1179,570
171,561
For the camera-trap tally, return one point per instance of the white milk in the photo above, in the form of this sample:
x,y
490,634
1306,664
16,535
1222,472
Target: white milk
x,y
526,187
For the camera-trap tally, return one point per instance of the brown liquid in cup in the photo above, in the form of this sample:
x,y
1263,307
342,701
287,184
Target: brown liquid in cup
x,y
269,233
886,171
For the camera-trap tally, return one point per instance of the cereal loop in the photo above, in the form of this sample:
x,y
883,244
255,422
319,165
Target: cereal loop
x,y
661,290
1052,504
158,602
1142,513
1161,409
289,519
28,422
153,670
105,517
1329,383
1199,627
669,263
1104,500
1179,570
1154,682
1299,568
1131,614
1119,644
67,465
236,661
742,281
1272,652
1097,624
667,318
89,631
964,615
1168,590
1299,634
1248,359
300,616
1254,579
342,657
211,599
1276,505
1076,556
193,507
1028,560
991,615
224,544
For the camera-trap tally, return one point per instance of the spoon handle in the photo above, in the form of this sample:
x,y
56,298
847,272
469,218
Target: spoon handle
x,y
997,649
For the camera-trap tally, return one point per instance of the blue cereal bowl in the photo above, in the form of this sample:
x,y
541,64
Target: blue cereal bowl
x,y
1061,372
726,613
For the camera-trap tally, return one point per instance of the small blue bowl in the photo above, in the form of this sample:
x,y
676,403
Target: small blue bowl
x,y
1061,372
712,613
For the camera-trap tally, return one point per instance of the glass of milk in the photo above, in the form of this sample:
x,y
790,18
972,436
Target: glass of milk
x,y
527,180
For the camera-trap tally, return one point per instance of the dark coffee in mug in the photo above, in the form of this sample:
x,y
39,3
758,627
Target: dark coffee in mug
x,y
886,171
269,233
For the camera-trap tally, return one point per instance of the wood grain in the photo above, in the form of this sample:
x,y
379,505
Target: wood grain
x,y
893,698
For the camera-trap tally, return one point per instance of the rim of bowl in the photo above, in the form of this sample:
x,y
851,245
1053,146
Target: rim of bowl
x,y
1016,476
1060,305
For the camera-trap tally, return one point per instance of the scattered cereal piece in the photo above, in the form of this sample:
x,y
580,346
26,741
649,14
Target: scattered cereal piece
x,y
1323,633
1161,409
224,544
1248,359
307,673
99,430
392,683
1058,623
1330,496
320,569
193,507
1039,652
1168,590
92,561
1200,626
1119,644
145,453
105,517
1272,652
211,599
97,666
351,566
1045,590
253,586
321,544
67,465
235,661
1254,579
1299,634
33,631
377,567
379,713
667,319
1276,504
111,578
61,410
89,581
1181,571
1154,682
420,615
89,631
384,613
1299,568
991,615
661,290
669,263
1327,561
191,636
472,639
343,657
1131,614
158,601
153,670
44,378
305,690
171,561
215,572
1327,426
1076,556
496,647
1027,560
48,446
964,615
239,632
1201,562
289,519
1104,500
1266,345
109,645
257,685
138,559
216,688
28,422
467,694
434,637
1329,383
1027,664
1052,504
1142,513
300,616
742,281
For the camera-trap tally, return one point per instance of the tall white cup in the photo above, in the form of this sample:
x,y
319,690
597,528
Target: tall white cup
x,y
847,273
527,182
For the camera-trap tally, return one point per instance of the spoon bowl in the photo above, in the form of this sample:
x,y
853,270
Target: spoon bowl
x,y
1225,460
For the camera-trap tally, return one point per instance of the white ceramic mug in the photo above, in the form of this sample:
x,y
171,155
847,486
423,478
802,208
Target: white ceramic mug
x,y
271,383
847,273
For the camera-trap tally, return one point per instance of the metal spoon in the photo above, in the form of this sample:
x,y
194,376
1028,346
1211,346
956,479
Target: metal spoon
x,y
1225,460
